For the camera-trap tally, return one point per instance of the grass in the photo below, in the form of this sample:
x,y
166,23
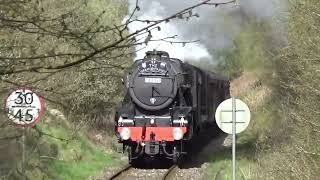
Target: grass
x,y
220,164
92,164
78,158
221,168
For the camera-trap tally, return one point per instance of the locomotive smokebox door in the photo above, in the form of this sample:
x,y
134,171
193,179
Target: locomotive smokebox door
x,y
152,85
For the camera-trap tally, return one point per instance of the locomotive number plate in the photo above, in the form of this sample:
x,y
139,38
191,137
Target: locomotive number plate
x,y
152,80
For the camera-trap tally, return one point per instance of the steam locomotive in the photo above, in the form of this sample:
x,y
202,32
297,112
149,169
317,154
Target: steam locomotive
x,y
167,103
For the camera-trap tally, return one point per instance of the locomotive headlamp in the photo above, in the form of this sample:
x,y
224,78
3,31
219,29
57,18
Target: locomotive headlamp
x,y
177,134
152,121
125,133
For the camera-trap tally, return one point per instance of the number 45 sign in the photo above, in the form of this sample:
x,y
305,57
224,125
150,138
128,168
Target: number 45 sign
x,y
24,107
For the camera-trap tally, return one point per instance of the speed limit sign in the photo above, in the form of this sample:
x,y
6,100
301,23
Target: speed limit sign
x,y
24,107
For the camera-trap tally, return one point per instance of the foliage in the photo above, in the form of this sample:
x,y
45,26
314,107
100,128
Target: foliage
x,y
252,51
285,127
73,54
44,38
48,34
298,89
288,123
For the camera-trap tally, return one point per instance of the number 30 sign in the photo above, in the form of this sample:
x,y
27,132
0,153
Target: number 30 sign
x,y
24,107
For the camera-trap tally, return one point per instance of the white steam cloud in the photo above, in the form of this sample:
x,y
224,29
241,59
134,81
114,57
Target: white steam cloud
x,y
216,27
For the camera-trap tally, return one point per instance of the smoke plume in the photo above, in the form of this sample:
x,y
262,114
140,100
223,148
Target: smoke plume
x,y
215,28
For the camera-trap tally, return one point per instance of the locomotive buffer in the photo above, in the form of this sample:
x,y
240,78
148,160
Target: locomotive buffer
x,y
233,117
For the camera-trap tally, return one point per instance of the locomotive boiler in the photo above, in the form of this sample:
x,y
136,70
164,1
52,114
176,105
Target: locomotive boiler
x,y
167,103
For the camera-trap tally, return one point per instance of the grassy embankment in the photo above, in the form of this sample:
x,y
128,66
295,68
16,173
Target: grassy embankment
x,y
77,158
57,152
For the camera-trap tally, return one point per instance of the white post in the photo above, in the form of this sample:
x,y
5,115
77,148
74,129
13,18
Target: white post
x,y
233,138
23,154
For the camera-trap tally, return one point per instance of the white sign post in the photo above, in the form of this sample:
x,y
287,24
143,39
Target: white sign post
x,y
24,108
232,117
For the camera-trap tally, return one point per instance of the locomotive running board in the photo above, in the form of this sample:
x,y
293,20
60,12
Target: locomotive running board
x,y
149,117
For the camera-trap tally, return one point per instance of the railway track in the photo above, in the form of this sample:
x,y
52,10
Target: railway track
x,y
121,172
125,171
170,172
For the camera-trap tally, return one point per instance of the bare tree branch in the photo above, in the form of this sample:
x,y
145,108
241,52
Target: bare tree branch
x,y
123,41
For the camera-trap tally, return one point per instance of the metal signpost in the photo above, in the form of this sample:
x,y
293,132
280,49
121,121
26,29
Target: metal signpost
x,y
234,120
24,109
232,117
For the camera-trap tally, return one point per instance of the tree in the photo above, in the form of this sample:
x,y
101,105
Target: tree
x,y
72,53
45,41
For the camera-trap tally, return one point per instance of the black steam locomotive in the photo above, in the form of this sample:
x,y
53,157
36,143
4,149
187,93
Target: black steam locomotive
x,y
167,103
